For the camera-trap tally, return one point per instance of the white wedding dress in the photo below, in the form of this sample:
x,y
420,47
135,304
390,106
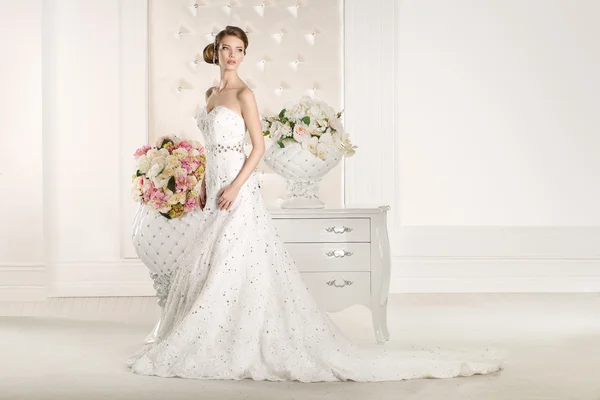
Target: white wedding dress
x,y
238,307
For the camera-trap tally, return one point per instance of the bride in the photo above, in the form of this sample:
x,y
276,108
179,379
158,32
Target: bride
x,y
238,307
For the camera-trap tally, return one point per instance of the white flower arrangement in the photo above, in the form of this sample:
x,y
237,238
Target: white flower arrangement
x,y
313,124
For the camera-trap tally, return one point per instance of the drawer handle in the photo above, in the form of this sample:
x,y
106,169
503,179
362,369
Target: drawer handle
x,y
335,229
333,283
338,253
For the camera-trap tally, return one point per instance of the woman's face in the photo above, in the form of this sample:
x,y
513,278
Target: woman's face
x,y
231,52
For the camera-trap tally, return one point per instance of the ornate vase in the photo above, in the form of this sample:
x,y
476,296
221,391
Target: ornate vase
x,y
303,171
160,243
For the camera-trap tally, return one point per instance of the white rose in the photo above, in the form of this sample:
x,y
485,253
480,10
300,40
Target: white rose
x,y
311,145
180,153
336,124
172,161
176,198
164,153
279,130
337,140
295,112
143,164
326,138
161,180
168,171
315,112
136,194
151,154
301,133
179,172
138,182
306,101
326,151
154,171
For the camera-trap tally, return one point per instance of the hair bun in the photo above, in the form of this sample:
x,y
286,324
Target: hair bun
x,y
209,53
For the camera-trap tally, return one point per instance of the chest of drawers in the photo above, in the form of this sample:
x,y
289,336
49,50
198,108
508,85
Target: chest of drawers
x,y
343,255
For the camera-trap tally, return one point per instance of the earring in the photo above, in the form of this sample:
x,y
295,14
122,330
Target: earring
x,y
215,52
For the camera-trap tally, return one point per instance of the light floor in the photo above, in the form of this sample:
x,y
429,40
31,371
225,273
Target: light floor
x,y
75,349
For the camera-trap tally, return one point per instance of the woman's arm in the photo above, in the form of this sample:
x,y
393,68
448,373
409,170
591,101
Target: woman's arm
x,y
228,194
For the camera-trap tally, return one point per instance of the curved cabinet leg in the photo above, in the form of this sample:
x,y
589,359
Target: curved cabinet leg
x,y
377,321
384,328
151,338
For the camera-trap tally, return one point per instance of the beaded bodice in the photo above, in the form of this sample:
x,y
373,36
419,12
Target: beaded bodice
x,y
224,132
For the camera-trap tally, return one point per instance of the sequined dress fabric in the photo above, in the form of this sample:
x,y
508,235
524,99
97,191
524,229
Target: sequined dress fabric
x,y
238,307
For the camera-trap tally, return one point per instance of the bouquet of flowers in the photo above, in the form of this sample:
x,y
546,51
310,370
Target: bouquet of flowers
x,y
168,176
313,124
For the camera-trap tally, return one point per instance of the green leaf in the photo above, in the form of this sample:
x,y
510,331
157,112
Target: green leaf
x,y
282,113
138,173
266,133
306,120
171,184
280,143
166,215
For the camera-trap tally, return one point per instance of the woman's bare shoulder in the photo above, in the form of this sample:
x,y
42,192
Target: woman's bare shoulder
x,y
246,95
209,92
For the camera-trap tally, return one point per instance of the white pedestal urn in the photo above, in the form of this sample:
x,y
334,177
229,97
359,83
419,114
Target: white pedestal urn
x,y
303,172
308,142
160,243
167,183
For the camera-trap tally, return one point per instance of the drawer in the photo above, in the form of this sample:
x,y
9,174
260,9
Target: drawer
x,y
316,257
334,291
323,229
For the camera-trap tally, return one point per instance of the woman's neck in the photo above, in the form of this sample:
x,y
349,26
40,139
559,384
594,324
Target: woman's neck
x,y
229,80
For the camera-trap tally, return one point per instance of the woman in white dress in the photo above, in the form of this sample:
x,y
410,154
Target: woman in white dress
x,y
238,307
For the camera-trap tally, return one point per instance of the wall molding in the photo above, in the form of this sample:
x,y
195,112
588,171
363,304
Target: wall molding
x,y
369,102
509,259
99,279
133,98
494,275
22,282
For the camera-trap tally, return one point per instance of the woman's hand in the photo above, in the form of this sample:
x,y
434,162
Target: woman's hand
x,y
227,196
202,197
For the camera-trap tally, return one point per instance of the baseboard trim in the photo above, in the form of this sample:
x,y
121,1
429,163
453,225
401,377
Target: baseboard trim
x,y
103,289
22,282
101,279
125,278
494,275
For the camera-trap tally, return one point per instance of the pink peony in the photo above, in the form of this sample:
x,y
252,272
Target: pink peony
x,y
141,151
182,183
190,204
186,165
185,144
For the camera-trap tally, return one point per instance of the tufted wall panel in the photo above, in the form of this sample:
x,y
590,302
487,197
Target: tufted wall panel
x,y
295,48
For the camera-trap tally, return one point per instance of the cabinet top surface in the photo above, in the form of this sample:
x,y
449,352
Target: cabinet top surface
x,y
344,211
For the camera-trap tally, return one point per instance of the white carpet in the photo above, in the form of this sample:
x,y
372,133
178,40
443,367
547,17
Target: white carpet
x,y
552,344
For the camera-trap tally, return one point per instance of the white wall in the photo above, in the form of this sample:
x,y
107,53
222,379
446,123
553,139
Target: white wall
x,y
21,174
497,113
493,173
89,139
476,124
